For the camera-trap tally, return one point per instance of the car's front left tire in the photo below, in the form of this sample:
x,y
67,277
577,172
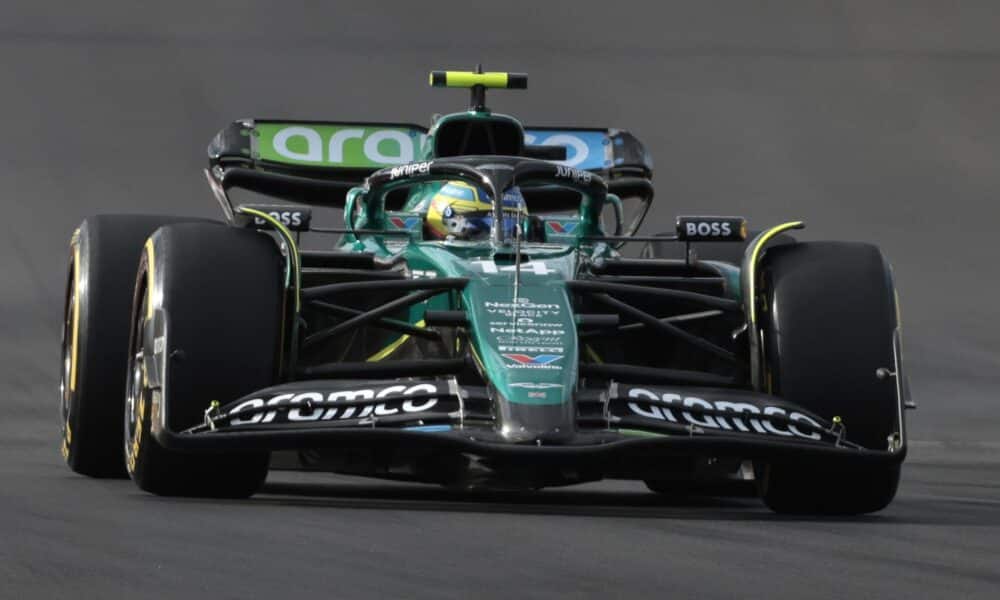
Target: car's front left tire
x,y
830,333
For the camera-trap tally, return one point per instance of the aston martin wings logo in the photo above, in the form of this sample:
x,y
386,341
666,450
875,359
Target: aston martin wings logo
x,y
404,222
528,385
538,359
561,228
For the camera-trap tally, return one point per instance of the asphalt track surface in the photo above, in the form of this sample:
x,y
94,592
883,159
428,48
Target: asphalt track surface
x,y
870,120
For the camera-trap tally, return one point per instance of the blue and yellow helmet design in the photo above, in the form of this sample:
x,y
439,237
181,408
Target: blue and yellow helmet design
x,y
463,211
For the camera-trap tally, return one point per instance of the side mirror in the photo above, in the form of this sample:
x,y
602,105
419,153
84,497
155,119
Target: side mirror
x,y
616,206
636,194
355,197
617,212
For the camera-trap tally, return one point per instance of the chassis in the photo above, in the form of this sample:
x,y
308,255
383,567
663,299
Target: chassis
x,y
543,358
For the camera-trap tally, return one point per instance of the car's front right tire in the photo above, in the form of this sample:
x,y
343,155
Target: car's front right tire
x,y
104,252
218,293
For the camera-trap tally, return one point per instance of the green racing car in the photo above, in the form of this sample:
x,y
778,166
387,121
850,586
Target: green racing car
x,y
486,317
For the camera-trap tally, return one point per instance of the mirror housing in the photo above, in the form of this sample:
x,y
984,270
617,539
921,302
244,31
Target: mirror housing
x,y
616,205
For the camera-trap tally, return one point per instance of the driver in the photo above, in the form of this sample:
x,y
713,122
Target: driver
x,y
461,211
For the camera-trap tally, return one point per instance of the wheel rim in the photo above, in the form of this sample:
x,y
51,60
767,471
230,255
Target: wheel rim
x,y
65,392
135,388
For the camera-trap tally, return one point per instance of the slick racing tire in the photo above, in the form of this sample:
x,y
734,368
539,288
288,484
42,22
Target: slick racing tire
x,y
829,324
104,252
211,297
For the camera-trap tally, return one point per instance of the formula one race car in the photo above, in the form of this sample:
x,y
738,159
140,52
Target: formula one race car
x,y
477,325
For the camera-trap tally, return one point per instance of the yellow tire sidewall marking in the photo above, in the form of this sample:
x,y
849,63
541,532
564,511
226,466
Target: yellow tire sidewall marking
x,y
75,336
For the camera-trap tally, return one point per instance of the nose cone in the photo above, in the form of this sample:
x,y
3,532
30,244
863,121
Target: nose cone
x,y
525,342
543,424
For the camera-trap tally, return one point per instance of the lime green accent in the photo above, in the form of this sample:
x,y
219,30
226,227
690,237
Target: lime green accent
x,y
75,338
475,357
899,316
298,144
467,79
293,250
388,350
592,354
347,146
151,270
759,242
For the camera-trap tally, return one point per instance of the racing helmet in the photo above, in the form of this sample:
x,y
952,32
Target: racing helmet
x,y
462,211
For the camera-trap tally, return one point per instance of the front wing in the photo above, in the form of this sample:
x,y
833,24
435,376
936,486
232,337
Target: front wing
x,y
615,423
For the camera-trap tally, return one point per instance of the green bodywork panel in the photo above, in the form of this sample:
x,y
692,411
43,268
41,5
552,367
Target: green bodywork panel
x,y
522,337
482,115
525,345
352,146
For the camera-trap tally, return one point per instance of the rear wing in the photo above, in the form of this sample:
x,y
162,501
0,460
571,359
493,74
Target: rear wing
x,y
609,153
317,162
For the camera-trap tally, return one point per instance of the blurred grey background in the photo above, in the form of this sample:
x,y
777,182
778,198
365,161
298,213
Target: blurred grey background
x,y
870,120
